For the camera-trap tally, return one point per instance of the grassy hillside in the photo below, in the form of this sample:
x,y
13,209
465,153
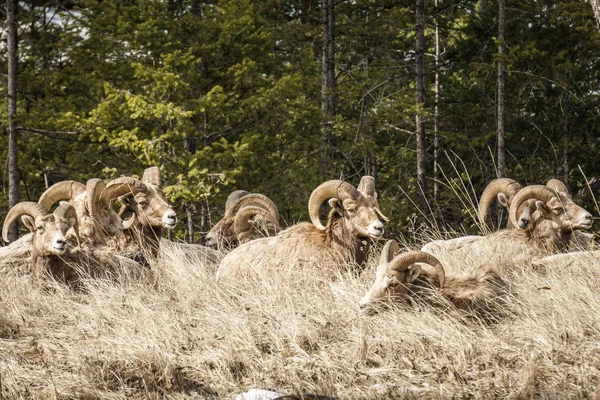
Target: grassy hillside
x,y
181,335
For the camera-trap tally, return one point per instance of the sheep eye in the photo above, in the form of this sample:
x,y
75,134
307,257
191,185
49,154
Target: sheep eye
x,y
40,228
351,211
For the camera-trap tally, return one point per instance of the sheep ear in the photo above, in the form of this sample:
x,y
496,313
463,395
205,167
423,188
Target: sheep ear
x,y
336,204
542,207
502,199
29,222
412,273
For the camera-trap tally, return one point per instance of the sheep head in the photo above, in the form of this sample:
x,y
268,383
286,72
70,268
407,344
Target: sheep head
x,y
49,230
555,206
395,275
90,201
504,190
248,216
357,207
144,200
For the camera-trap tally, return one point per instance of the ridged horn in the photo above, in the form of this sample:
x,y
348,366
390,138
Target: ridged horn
x,y
234,197
61,191
387,254
404,260
95,194
557,185
327,190
128,223
255,199
367,188
124,185
507,186
367,185
152,176
538,192
241,222
24,208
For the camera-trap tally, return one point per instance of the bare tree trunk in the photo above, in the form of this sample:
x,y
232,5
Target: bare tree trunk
x,y
501,78
420,100
13,166
566,157
190,222
436,111
596,8
328,100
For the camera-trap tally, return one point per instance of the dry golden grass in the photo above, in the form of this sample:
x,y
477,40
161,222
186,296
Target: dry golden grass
x,y
180,335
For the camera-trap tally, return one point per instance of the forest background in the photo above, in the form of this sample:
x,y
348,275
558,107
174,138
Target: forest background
x,y
277,96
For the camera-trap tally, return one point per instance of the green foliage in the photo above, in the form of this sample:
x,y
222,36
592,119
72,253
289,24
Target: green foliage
x,y
227,94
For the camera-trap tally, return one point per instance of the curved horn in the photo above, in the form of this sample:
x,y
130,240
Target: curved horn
x,y
404,260
95,193
507,186
128,223
327,190
387,254
234,197
24,208
255,199
557,185
242,224
60,191
538,192
367,185
124,185
367,188
152,176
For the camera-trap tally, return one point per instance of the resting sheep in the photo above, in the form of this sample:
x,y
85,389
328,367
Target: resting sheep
x,y
354,219
553,222
248,216
145,212
96,218
56,252
504,190
481,293
49,248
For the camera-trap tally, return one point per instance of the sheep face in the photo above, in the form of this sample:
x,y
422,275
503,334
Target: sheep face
x,y
151,208
49,233
389,286
396,276
360,215
565,215
222,234
524,212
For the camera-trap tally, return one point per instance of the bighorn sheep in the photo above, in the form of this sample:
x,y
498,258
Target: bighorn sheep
x,y
144,210
49,247
550,231
354,219
248,216
482,293
580,240
504,190
96,218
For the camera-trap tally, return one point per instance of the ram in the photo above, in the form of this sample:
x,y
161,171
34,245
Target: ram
x,y
97,220
482,293
553,222
354,219
145,211
49,248
248,216
504,190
